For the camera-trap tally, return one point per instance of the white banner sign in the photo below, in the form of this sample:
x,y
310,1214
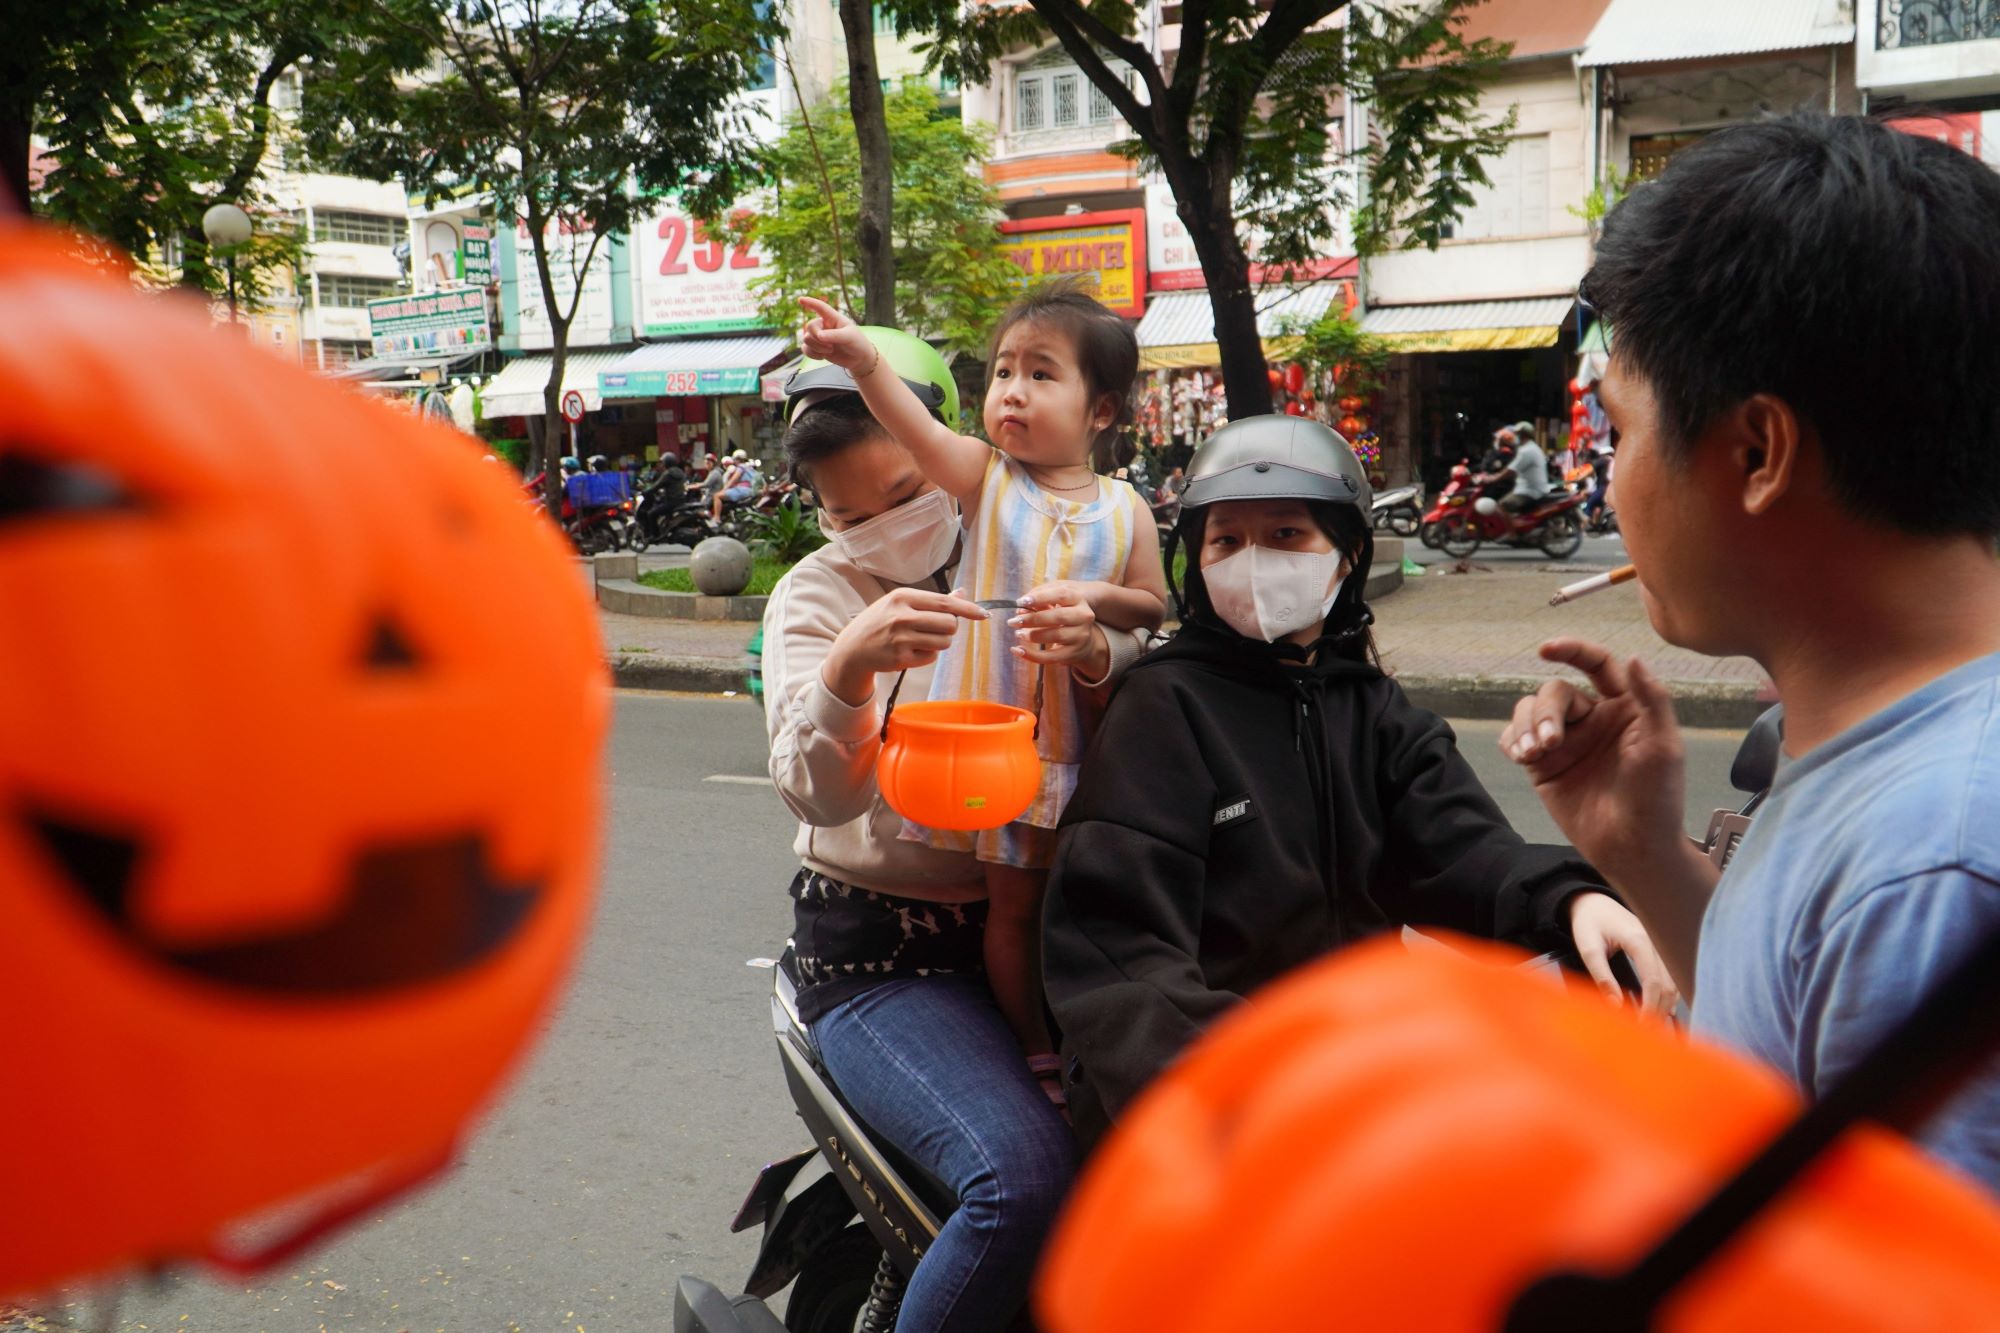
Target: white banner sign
x,y
566,251
689,283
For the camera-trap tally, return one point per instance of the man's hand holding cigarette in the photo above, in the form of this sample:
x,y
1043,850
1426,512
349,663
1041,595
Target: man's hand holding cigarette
x,y
1609,765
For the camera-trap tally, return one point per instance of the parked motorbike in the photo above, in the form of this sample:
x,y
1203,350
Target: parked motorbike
x,y
846,1221
1553,524
1399,510
601,529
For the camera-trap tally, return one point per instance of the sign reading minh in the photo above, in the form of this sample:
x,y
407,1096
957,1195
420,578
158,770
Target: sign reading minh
x,y
1108,248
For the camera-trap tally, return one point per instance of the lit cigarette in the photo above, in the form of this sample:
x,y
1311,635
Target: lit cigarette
x,y
1622,574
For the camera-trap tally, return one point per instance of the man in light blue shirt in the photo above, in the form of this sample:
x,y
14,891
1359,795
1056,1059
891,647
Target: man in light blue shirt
x,y
1767,520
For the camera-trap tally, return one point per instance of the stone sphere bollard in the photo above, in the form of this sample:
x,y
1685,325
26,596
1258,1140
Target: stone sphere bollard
x,y
721,567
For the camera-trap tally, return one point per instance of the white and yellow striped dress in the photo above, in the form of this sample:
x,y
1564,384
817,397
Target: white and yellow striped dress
x,y
1021,537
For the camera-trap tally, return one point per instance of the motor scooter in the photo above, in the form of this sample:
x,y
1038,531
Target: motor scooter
x,y
846,1221
1456,495
1399,510
1552,524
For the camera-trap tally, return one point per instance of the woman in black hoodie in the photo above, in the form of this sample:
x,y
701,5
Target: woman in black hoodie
x,y
1260,792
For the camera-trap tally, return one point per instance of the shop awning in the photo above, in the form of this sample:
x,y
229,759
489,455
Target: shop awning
x,y
1470,326
412,368
1644,32
517,390
1178,331
693,367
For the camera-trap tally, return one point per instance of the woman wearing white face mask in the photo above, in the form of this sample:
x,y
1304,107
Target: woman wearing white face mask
x,y
1260,792
887,933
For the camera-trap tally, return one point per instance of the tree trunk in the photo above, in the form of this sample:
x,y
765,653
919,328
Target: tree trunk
x,y
554,428
1233,304
871,136
14,154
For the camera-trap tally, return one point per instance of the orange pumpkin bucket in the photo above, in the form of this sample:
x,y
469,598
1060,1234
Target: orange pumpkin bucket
x,y
959,763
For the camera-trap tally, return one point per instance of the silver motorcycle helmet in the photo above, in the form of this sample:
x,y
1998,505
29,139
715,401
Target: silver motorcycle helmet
x,y
1274,458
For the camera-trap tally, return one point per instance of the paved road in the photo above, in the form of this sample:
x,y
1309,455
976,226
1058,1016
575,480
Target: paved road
x,y
616,1161
1596,552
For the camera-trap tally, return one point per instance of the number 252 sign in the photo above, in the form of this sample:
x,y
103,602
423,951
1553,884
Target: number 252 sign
x,y
707,255
691,282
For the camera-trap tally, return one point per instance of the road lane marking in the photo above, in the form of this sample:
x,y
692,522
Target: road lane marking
x,y
739,779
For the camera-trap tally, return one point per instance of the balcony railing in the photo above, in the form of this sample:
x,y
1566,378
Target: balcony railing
x,y
1905,23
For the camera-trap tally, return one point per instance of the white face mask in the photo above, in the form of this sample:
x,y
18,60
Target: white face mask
x,y
1263,593
903,545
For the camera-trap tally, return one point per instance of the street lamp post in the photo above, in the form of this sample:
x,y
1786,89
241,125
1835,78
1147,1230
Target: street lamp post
x,y
226,226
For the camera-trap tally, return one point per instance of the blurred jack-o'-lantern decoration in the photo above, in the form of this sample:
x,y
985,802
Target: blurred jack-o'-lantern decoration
x,y
1392,1140
300,717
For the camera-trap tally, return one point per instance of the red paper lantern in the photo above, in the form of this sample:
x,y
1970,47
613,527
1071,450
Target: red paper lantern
x,y
1351,426
1352,403
1577,388
1295,377
1295,409
1276,377
1306,396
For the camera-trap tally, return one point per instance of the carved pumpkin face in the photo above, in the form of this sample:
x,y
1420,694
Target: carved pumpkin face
x,y
1392,1140
300,714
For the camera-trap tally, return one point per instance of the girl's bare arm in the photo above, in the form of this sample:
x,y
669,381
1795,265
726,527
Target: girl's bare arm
x,y
950,460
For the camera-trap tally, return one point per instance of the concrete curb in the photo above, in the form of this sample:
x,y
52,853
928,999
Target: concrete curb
x,y
630,598
1723,707
1726,707
683,675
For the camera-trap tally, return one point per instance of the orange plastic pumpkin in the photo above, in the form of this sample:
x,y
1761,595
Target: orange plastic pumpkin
x,y
1391,1140
1351,404
1351,426
959,763
300,717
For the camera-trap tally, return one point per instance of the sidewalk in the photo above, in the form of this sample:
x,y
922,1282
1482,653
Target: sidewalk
x,y
1462,644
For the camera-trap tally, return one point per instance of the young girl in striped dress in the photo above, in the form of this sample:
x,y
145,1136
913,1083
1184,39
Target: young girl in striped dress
x,y
1077,552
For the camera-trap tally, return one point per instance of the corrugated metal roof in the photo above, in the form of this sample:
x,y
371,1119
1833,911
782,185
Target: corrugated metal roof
x,y
1179,318
1639,32
702,354
1542,312
517,390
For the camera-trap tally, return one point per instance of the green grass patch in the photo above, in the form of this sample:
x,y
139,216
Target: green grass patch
x,y
764,576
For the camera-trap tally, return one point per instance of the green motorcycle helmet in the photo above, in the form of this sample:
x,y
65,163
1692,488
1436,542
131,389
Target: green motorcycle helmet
x,y
1275,458
915,362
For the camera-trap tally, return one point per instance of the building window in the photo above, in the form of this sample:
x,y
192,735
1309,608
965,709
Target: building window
x,y
1901,23
885,23
1651,152
349,293
947,85
1100,106
1065,100
357,228
1028,104
1515,202
338,352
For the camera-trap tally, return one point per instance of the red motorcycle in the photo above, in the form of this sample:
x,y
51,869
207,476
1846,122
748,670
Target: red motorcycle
x,y
1456,496
1552,524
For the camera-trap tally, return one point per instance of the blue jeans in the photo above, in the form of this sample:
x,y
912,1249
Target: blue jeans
x,y
930,1064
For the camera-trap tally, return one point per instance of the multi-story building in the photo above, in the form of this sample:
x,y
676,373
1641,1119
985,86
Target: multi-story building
x,y
1483,325
1941,62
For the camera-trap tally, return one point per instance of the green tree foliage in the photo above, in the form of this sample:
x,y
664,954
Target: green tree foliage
x,y
152,110
952,278
1239,122
572,117
1334,345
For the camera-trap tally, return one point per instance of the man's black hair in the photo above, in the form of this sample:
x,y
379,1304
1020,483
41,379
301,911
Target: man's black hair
x,y
1843,266
825,429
